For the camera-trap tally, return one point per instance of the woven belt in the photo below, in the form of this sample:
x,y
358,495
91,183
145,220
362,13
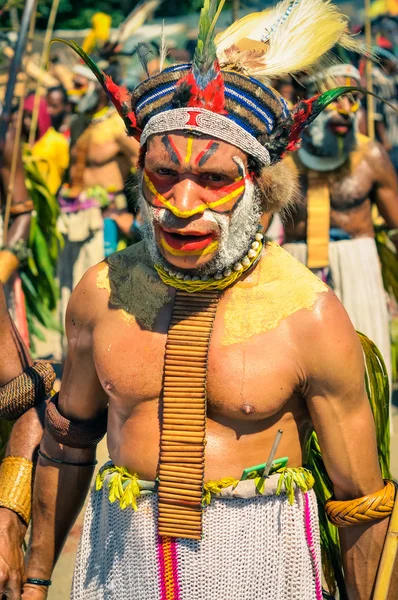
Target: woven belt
x,y
181,467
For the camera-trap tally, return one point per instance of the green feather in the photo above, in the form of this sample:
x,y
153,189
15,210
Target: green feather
x,y
100,75
205,52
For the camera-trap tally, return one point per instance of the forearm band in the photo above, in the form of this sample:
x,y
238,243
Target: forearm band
x,y
58,461
20,208
75,434
346,513
37,581
16,486
27,390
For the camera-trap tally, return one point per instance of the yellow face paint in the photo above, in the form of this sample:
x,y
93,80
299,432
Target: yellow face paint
x,y
184,214
210,248
189,149
279,287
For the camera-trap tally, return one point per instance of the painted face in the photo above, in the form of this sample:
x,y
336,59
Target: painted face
x,y
193,185
332,134
342,112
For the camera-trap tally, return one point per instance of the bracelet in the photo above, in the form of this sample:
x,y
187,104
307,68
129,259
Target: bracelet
x,y
345,513
36,581
27,390
20,250
16,486
58,461
75,434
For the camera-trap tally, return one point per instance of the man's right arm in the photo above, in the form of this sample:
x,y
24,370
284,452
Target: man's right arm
x,y
60,489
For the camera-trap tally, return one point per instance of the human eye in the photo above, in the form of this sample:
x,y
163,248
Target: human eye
x,y
213,177
167,172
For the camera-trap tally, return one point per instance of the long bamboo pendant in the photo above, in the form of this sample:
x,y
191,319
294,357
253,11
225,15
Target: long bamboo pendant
x,y
182,444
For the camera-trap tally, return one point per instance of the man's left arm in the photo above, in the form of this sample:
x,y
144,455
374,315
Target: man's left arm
x,y
333,370
385,191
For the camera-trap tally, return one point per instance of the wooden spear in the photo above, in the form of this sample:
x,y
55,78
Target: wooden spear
x,y
43,61
18,130
369,81
388,556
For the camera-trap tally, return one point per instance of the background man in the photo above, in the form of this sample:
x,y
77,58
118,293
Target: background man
x,y
331,229
59,108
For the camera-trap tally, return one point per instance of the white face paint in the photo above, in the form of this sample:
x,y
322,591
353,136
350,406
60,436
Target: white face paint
x,y
236,229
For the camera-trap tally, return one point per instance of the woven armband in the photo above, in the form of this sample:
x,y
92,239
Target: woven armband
x,y
75,434
26,391
16,486
345,513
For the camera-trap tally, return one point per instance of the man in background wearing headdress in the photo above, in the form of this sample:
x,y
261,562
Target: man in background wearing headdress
x,y
204,340
331,231
101,158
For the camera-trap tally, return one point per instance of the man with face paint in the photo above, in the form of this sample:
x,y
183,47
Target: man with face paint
x,y
342,173
198,347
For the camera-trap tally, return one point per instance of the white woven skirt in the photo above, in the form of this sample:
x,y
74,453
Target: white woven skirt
x,y
252,548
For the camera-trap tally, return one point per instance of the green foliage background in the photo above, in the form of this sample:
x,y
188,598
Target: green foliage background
x,y
75,14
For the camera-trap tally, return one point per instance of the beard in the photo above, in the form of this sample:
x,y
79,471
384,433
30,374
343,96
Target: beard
x,y
57,120
236,231
320,141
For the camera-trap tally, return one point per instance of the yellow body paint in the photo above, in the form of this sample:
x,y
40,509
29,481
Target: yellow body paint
x,y
279,287
184,214
189,149
175,252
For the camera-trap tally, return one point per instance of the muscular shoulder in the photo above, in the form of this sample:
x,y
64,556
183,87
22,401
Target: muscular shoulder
x,y
87,299
329,345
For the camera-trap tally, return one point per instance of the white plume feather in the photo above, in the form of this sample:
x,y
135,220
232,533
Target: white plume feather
x,y
289,38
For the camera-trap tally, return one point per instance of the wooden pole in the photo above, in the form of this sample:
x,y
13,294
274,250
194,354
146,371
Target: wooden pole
x,y
389,554
17,138
369,80
43,61
235,10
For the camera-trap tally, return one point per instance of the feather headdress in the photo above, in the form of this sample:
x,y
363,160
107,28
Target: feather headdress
x,y
225,91
292,37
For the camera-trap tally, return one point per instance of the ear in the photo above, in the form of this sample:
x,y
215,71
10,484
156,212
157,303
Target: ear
x,y
117,94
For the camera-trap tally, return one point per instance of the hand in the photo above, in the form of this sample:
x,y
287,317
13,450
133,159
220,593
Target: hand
x,y
12,533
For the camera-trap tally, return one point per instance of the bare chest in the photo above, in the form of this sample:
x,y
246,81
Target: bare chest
x,y
349,188
244,380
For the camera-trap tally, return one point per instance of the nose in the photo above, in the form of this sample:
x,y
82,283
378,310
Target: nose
x,y
345,105
186,198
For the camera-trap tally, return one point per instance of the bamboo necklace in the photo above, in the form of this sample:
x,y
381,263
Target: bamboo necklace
x,y
182,444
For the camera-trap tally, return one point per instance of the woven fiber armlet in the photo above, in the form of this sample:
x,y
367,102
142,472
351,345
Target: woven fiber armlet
x,y
345,513
75,434
16,486
27,390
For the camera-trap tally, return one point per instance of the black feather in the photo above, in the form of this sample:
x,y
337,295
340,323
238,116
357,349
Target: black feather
x,y
144,52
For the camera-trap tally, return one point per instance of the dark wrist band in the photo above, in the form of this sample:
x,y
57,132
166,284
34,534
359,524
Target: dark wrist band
x,y
58,461
36,581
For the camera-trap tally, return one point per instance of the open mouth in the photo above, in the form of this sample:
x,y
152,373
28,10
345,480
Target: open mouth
x,y
186,243
340,128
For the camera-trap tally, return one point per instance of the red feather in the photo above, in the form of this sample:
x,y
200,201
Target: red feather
x,y
119,94
210,97
301,114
